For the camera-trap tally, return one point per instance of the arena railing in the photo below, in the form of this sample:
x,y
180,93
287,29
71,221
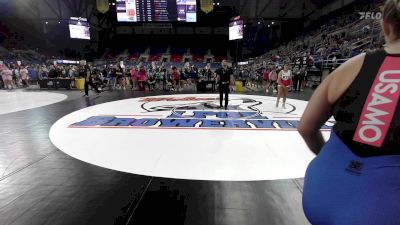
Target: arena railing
x,y
329,63
365,41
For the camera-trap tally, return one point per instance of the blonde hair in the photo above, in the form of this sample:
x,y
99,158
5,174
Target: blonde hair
x,y
391,15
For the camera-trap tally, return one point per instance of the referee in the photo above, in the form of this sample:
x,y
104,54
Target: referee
x,y
87,74
224,80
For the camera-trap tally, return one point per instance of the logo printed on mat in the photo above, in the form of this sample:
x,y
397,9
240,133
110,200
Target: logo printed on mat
x,y
201,112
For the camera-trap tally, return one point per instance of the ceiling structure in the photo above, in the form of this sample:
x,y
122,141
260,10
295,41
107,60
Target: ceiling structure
x,y
276,9
248,9
285,10
45,22
46,9
46,19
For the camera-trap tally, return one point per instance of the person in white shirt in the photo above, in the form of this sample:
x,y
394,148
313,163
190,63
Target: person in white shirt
x,y
273,77
24,76
6,75
284,82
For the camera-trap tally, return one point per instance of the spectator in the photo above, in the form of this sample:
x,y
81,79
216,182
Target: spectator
x,y
134,77
175,78
24,76
53,72
151,82
33,72
142,77
273,77
6,75
120,77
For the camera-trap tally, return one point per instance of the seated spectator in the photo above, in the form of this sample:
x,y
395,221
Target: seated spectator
x,y
151,82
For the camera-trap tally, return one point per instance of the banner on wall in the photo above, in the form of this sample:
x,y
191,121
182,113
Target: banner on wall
x,y
102,6
207,6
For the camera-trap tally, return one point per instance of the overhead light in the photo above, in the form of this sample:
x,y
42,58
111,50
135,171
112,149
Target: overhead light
x,y
47,22
259,23
59,22
217,3
245,25
273,23
213,3
113,3
269,25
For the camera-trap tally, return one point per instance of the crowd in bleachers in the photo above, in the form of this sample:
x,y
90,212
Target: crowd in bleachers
x,y
338,37
155,76
140,76
15,76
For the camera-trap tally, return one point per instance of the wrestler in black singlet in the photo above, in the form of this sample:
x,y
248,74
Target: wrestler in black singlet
x,y
348,110
353,183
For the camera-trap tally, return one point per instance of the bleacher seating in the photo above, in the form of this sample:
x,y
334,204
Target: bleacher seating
x,y
176,58
155,58
198,58
198,54
340,35
134,53
219,58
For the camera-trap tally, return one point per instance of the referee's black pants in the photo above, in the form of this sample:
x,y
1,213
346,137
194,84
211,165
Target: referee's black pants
x,y
90,82
224,89
296,83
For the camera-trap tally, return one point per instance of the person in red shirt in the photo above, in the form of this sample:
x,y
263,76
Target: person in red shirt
x,y
265,73
175,78
134,77
142,74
